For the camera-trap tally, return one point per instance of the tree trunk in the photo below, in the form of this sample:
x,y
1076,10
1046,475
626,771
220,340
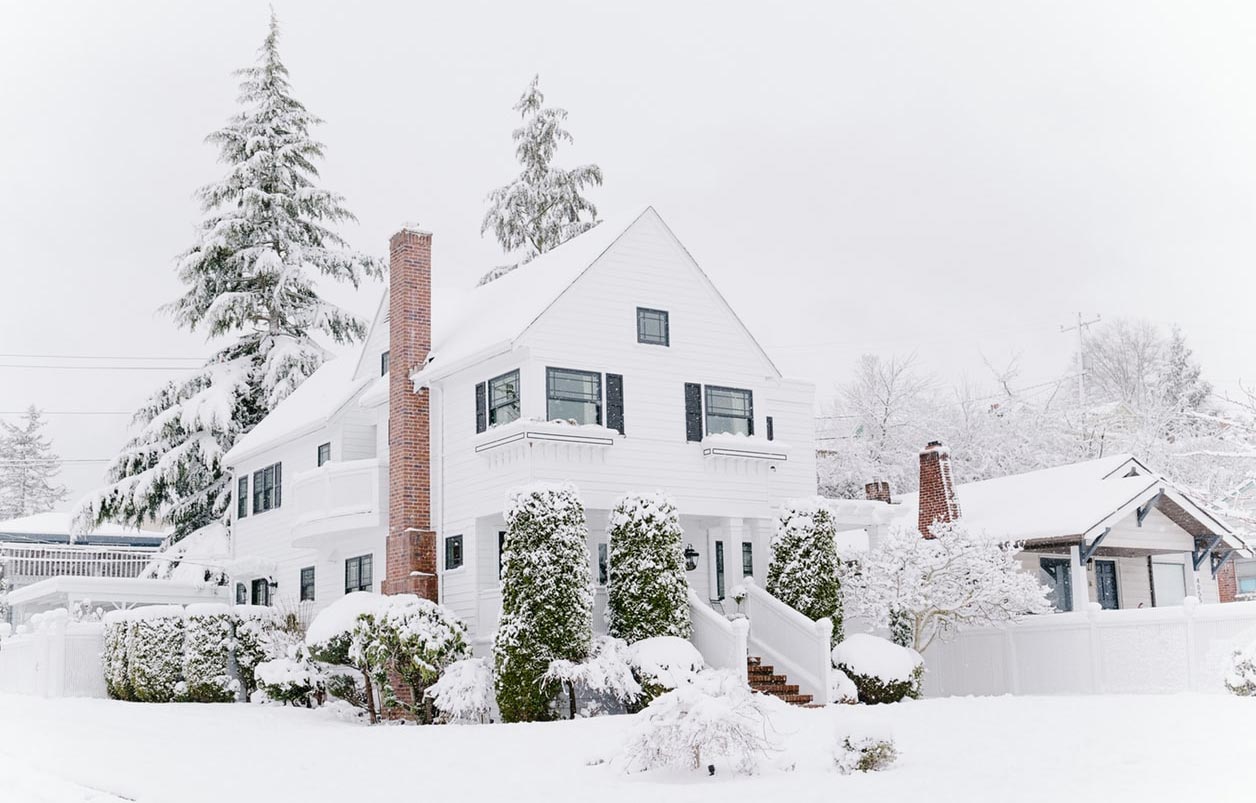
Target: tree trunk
x,y
571,699
370,698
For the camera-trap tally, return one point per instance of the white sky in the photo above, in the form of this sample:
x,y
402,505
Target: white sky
x,y
944,177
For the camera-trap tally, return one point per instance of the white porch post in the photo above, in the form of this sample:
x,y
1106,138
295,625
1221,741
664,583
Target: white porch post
x,y
1077,573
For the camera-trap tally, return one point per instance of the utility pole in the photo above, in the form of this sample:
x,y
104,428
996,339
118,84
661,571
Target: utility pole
x,y
1080,326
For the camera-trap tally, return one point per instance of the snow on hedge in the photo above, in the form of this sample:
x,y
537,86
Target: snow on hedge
x,y
881,670
667,661
464,693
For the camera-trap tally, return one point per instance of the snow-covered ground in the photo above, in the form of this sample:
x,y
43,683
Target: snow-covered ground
x,y
1180,747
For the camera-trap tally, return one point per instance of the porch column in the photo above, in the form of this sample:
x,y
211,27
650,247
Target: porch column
x,y
1077,576
732,553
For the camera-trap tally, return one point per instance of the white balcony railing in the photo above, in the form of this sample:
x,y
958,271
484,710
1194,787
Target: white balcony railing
x,y
798,645
338,496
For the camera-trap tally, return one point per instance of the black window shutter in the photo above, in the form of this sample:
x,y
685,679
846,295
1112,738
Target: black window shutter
x,y
770,432
750,421
481,407
615,402
278,484
693,411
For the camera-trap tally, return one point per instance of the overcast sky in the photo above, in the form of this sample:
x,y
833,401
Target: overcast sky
x,y
954,179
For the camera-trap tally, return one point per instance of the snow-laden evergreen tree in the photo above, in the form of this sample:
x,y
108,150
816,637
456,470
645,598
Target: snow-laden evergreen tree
x,y
647,593
547,598
958,577
28,467
250,280
544,206
803,572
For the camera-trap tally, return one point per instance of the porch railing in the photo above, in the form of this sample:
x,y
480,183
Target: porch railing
x,y
722,642
798,645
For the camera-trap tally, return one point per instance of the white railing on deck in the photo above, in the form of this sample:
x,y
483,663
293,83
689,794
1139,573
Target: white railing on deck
x,y
721,642
57,658
1176,648
796,644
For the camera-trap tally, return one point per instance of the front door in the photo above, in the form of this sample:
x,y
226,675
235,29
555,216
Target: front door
x,y
1105,583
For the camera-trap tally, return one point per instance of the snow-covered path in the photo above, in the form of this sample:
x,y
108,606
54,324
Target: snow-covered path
x,y
972,750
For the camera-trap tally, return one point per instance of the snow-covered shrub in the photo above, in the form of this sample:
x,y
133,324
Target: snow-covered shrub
x,y
464,692
926,587
664,663
256,627
294,679
841,688
114,657
547,598
1241,679
340,635
881,670
155,653
647,593
607,675
716,720
863,754
416,639
207,642
803,572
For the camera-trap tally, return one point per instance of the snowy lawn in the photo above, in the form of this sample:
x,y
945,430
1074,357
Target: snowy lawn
x,y
971,749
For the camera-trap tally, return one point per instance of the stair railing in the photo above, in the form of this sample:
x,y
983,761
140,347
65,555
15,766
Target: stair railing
x,y
796,644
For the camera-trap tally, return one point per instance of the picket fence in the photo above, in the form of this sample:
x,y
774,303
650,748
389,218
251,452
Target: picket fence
x,y
1188,647
55,657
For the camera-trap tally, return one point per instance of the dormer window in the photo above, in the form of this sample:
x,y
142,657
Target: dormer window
x,y
652,328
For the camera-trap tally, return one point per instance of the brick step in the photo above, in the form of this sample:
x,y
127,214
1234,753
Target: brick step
x,y
796,699
775,688
768,679
761,669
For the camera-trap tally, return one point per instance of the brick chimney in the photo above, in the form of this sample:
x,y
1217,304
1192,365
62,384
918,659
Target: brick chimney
x,y
877,491
937,490
411,547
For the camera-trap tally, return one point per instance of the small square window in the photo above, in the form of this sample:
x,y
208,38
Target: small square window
x,y
453,552
603,564
383,363
324,453
652,327
307,584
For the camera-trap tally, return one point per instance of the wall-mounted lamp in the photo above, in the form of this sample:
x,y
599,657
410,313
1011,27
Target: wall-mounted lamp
x,y
691,558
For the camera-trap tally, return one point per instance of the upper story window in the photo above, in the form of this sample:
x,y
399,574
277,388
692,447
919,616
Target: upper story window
x,y
573,395
383,363
267,488
729,410
652,327
242,497
324,453
503,399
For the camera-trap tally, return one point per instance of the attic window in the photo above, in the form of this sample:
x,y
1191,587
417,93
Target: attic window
x,y
652,327
1133,472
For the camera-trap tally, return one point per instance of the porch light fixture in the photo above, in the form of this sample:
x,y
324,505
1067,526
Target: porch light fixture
x,y
691,558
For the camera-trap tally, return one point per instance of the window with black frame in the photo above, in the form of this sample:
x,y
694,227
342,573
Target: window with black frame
x,y
307,584
503,399
652,327
729,410
573,396
324,453
267,488
261,591
453,552
358,574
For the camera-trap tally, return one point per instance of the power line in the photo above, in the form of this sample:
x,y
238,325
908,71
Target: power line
x,y
100,367
90,357
70,412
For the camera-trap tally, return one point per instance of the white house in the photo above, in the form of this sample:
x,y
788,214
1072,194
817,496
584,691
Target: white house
x,y
1110,531
612,362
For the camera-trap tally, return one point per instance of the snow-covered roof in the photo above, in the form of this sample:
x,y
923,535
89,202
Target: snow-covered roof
x,y
1059,502
57,526
471,323
309,407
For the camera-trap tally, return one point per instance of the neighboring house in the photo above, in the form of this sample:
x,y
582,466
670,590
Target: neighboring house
x,y
34,548
1110,531
611,362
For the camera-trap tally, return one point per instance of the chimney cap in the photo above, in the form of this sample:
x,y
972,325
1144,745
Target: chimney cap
x,y
414,228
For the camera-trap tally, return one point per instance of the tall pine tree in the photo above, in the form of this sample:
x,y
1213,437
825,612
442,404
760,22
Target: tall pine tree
x,y
28,467
266,238
543,206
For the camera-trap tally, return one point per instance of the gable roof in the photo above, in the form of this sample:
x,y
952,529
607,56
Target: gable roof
x,y
1069,501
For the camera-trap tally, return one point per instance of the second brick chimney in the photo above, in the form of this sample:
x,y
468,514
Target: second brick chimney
x,y
411,546
937,490
877,491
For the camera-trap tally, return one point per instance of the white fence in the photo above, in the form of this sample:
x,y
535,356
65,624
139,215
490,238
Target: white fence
x,y
56,658
1135,651
721,642
797,645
